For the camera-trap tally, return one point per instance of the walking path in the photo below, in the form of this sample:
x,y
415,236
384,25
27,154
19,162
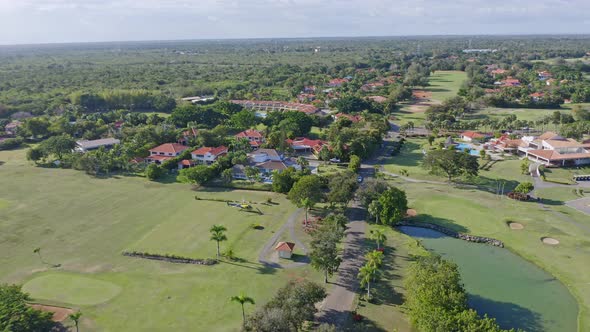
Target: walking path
x,y
268,248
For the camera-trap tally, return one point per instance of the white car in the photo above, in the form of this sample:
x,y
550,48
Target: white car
x,y
334,160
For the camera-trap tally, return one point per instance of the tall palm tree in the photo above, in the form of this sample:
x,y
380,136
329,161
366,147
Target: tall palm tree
x,y
218,235
378,236
242,299
374,258
307,204
366,274
75,317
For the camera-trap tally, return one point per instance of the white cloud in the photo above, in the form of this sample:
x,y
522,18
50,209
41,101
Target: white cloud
x,y
90,20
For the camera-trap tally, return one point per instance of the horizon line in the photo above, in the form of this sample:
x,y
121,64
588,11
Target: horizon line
x,y
297,38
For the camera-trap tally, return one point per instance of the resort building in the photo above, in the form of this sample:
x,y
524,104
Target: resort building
x,y
554,150
85,146
473,136
302,144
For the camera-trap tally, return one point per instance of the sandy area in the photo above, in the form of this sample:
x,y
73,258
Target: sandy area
x,y
515,225
411,213
550,241
59,313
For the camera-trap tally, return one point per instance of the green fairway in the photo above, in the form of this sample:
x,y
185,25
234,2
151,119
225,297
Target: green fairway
x,y
445,84
82,224
70,288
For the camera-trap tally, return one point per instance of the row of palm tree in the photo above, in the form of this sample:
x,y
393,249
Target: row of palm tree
x,y
369,272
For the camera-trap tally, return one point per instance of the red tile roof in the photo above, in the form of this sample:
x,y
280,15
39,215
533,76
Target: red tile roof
x,y
214,151
169,148
159,158
249,133
187,162
472,134
353,118
285,246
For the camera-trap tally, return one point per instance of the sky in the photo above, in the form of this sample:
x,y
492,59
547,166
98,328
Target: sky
x,y
58,21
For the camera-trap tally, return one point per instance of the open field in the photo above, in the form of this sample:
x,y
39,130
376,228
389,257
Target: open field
x,y
84,223
483,213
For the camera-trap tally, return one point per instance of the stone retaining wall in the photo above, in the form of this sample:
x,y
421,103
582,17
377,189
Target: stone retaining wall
x,y
170,258
458,235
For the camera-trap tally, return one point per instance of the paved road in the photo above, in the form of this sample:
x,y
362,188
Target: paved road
x,y
337,307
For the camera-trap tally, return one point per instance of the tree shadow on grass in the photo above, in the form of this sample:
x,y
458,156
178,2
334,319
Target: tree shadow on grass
x,y
261,268
508,315
446,223
364,325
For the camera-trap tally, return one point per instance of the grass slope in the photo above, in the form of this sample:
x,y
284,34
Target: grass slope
x,y
84,223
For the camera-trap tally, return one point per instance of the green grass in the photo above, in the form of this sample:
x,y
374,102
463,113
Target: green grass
x,y
565,175
84,223
410,159
446,84
482,213
71,288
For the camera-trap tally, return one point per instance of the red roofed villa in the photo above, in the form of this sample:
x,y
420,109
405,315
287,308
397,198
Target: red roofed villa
x,y
253,136
164,152
470,136
305,144
207,155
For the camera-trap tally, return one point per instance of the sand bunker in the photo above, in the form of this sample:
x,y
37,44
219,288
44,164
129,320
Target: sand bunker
x,y
515,225
411,213
59,313
550,241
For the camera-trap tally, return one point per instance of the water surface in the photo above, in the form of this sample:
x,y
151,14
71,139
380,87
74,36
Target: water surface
x,y
505,286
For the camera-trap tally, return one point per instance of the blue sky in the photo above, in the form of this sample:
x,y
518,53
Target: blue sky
x,y
49,21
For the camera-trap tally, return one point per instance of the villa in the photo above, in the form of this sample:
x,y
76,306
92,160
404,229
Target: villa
x,y
266,160
351,117
302,144
207,155
285,249
164,152
253,136
473,136
552,149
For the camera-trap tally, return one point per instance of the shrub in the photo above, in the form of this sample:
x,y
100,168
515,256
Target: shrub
x,y
10,143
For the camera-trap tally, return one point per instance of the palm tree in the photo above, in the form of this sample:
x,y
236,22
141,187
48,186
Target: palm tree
x,y
366,274
375,209
307,204
217,235
241,299
38,252
301,161
76,317
378,236
374,258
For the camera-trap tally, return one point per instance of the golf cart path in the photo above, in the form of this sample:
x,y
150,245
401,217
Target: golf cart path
x,y
270,244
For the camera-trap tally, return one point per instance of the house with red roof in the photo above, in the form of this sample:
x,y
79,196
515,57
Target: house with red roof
x,y
371,86
303,144
497,72
537,96
510,81
305,97
208,155
164,152
544,75
188,135
377,99
472,136
285,249
186,164
253,136
337,82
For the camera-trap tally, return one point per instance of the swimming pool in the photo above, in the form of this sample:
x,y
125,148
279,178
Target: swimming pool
x,y
463,146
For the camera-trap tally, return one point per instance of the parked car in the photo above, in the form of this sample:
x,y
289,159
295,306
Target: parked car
x,y
334,160
359,179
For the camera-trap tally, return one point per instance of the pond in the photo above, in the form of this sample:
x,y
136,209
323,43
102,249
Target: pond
x,y
505,286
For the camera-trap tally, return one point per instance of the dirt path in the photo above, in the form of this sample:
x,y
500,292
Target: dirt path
x,y
268,248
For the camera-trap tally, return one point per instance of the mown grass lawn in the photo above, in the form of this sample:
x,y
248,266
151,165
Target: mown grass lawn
x,y
482,213
84,223
446,84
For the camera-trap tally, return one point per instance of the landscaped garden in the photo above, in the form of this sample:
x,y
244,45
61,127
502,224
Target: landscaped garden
x,y
82,224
